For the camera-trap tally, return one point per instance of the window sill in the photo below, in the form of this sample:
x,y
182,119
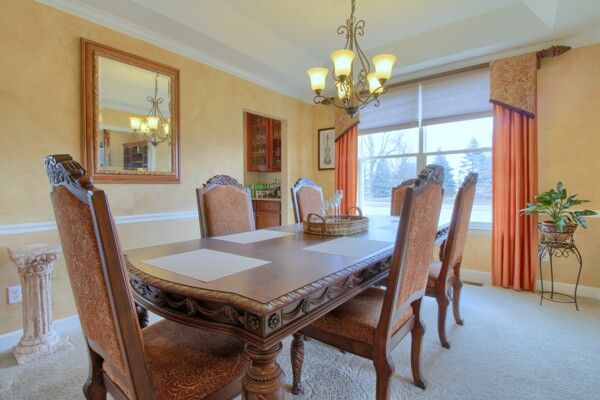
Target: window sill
x,y
483,227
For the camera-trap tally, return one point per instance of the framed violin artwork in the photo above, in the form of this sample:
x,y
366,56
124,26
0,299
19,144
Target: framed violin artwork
x,y
326,148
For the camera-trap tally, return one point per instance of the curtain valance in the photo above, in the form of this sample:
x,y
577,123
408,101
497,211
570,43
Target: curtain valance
x,y
513,83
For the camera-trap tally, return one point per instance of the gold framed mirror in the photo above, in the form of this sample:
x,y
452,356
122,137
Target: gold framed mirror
x,y
131,117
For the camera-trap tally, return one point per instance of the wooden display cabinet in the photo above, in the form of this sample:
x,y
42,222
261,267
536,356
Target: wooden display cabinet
x,y
135,155
264,143
267,213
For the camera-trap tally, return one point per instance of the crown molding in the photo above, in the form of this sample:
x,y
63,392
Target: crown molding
x,y
432,67
121,25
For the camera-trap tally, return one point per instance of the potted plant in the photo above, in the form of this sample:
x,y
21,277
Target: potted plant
x,y
563,221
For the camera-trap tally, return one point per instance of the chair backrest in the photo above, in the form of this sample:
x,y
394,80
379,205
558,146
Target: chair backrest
x,y
398,193
224,207
307,197
409,267
98,277
459,226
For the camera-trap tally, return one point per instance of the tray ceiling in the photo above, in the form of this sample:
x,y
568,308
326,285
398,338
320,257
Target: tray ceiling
x,y
272,42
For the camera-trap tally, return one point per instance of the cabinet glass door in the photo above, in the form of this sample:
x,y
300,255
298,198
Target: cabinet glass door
x,y
275,145
259,146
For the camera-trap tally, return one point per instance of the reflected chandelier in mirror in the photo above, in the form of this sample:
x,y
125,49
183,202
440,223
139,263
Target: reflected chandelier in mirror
x,y
131,117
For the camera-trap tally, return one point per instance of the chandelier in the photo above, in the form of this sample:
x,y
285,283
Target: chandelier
x,y
154,126
353,92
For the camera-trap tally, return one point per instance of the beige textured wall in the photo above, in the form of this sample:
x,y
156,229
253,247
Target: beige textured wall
x,y
569,143
40,94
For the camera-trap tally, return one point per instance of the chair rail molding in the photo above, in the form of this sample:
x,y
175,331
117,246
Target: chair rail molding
x,y
29,227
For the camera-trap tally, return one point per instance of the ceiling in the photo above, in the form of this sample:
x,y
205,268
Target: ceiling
x,y
272,42
126,87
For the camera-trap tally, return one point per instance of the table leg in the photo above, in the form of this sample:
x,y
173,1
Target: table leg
x,y
264,377
297,357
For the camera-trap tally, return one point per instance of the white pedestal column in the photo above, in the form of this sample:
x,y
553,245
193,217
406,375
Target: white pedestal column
x,y
35,263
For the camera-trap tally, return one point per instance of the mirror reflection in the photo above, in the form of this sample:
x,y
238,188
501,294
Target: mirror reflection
x,y
134,118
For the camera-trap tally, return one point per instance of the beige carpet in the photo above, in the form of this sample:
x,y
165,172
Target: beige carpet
x,y
509,348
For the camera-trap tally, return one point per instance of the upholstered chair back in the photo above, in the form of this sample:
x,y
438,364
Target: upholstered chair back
x,y
224,207
307,197
459,225
96,271
409,267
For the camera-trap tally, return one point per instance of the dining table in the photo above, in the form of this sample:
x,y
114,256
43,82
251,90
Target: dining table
x,y
262,286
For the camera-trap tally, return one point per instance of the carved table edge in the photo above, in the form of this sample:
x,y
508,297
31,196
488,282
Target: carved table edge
x,y
246,303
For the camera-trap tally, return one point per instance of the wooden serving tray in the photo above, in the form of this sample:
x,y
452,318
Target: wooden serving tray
x,y
343,225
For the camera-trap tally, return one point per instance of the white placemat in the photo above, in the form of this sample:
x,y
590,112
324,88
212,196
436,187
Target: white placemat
x,y
205,264
390,226
253,236
350,247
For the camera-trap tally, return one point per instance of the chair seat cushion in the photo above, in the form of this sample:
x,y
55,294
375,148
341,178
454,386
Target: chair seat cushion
x,y
190,363
358,318
434,273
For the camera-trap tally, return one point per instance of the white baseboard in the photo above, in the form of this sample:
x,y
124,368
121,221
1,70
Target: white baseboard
x,y
10,339
470,275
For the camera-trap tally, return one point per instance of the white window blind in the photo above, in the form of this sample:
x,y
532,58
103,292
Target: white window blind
x,y
449,98
464,95
399,109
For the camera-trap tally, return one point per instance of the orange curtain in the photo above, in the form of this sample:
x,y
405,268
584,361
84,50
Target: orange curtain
x,y
346,161
514,173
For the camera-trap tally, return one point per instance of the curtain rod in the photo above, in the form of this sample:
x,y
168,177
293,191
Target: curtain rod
x,y
439,75
553,51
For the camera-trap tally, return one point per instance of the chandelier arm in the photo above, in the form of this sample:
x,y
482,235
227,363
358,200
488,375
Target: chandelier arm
x,y
362,101
362,58
344,30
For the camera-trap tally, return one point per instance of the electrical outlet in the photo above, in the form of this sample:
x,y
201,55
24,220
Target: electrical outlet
x,y
14,294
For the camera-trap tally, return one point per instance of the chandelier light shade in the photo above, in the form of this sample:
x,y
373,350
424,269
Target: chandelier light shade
x,y
135,123
383,65
374,84
342,61
318,77
154,127
355,88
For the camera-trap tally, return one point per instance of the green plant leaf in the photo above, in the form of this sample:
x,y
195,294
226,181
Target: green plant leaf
x,y
585,212
581,221
544,198
556,205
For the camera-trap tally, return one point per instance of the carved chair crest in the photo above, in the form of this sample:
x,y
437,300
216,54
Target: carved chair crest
x,y
304,182
223,180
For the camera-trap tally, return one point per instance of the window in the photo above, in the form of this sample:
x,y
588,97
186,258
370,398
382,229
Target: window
x,y
452,127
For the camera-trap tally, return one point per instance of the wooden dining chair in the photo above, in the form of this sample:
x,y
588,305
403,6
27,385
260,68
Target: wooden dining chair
x,y
373,323
167,360
398,198
445,274
224,207
307,197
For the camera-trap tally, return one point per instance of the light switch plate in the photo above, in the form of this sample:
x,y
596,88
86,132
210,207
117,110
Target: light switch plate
x,y
14,294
